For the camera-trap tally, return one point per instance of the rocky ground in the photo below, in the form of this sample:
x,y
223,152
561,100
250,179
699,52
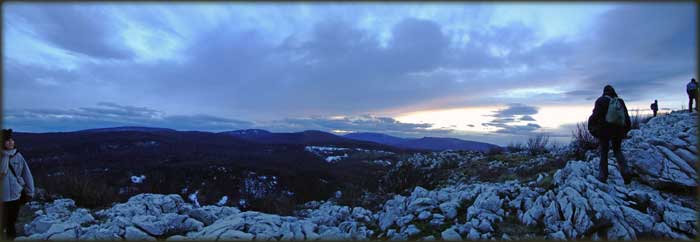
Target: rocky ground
x,y
565,203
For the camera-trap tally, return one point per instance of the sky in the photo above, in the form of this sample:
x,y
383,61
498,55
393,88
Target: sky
x,y
492,72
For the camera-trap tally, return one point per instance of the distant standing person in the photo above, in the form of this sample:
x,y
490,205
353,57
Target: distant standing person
x,y
17,184
692,89
610,122
655,107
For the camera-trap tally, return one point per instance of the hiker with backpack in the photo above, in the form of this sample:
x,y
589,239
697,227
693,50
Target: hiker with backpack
x,y
692,90
610,122
655,107
17,184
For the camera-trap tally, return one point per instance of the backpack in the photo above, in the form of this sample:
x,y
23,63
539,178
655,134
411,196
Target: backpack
x,y
616,114
692,86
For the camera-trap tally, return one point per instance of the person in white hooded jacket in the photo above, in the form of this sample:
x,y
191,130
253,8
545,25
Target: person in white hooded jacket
x,y
16,177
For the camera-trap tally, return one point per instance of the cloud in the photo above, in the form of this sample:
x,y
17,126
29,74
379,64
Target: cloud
x,y
76,28
258,62
519,129
507,119
362,123
328,68
644,60
107,114
582,94
527,118
514,109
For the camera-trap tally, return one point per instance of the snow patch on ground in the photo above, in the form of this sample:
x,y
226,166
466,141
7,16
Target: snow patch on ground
x,y
193,198
138,179
223,201
332,159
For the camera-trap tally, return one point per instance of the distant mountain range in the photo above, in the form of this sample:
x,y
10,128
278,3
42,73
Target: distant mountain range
x,y
241,137
309,137
425,143
320,137
126,128
316,137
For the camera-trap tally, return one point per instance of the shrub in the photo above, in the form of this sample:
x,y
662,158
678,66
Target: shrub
x,y
276,203
515,147
81,188
403,177
495,151
507,177
552,164
448,164
537,144
637,119
582,141
547,182
508,158
351,195
418,171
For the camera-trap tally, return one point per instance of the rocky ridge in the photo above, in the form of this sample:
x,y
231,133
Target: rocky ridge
x,y
569,204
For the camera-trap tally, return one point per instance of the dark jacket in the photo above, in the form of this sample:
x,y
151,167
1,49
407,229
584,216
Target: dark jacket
x,y
602,129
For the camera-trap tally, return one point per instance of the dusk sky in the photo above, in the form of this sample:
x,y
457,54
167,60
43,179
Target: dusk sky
x,y
491,72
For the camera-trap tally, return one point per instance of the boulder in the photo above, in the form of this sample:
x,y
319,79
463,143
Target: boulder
x,y
451,235
102,232
473,234
147,204
449,209
424,215
485,226
235,235
687,156
443,195
421,204
401,222
682,164
488,201
209,214
61,231
333,233
167,224
641,222
419,192
60,208
412,230
176,238
557,236
40,225
132,233
428,238
678,143
680,218
212,232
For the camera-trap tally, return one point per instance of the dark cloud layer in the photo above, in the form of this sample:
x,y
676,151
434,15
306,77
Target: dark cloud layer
x,y
107,114
637,48
79,29
334,67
